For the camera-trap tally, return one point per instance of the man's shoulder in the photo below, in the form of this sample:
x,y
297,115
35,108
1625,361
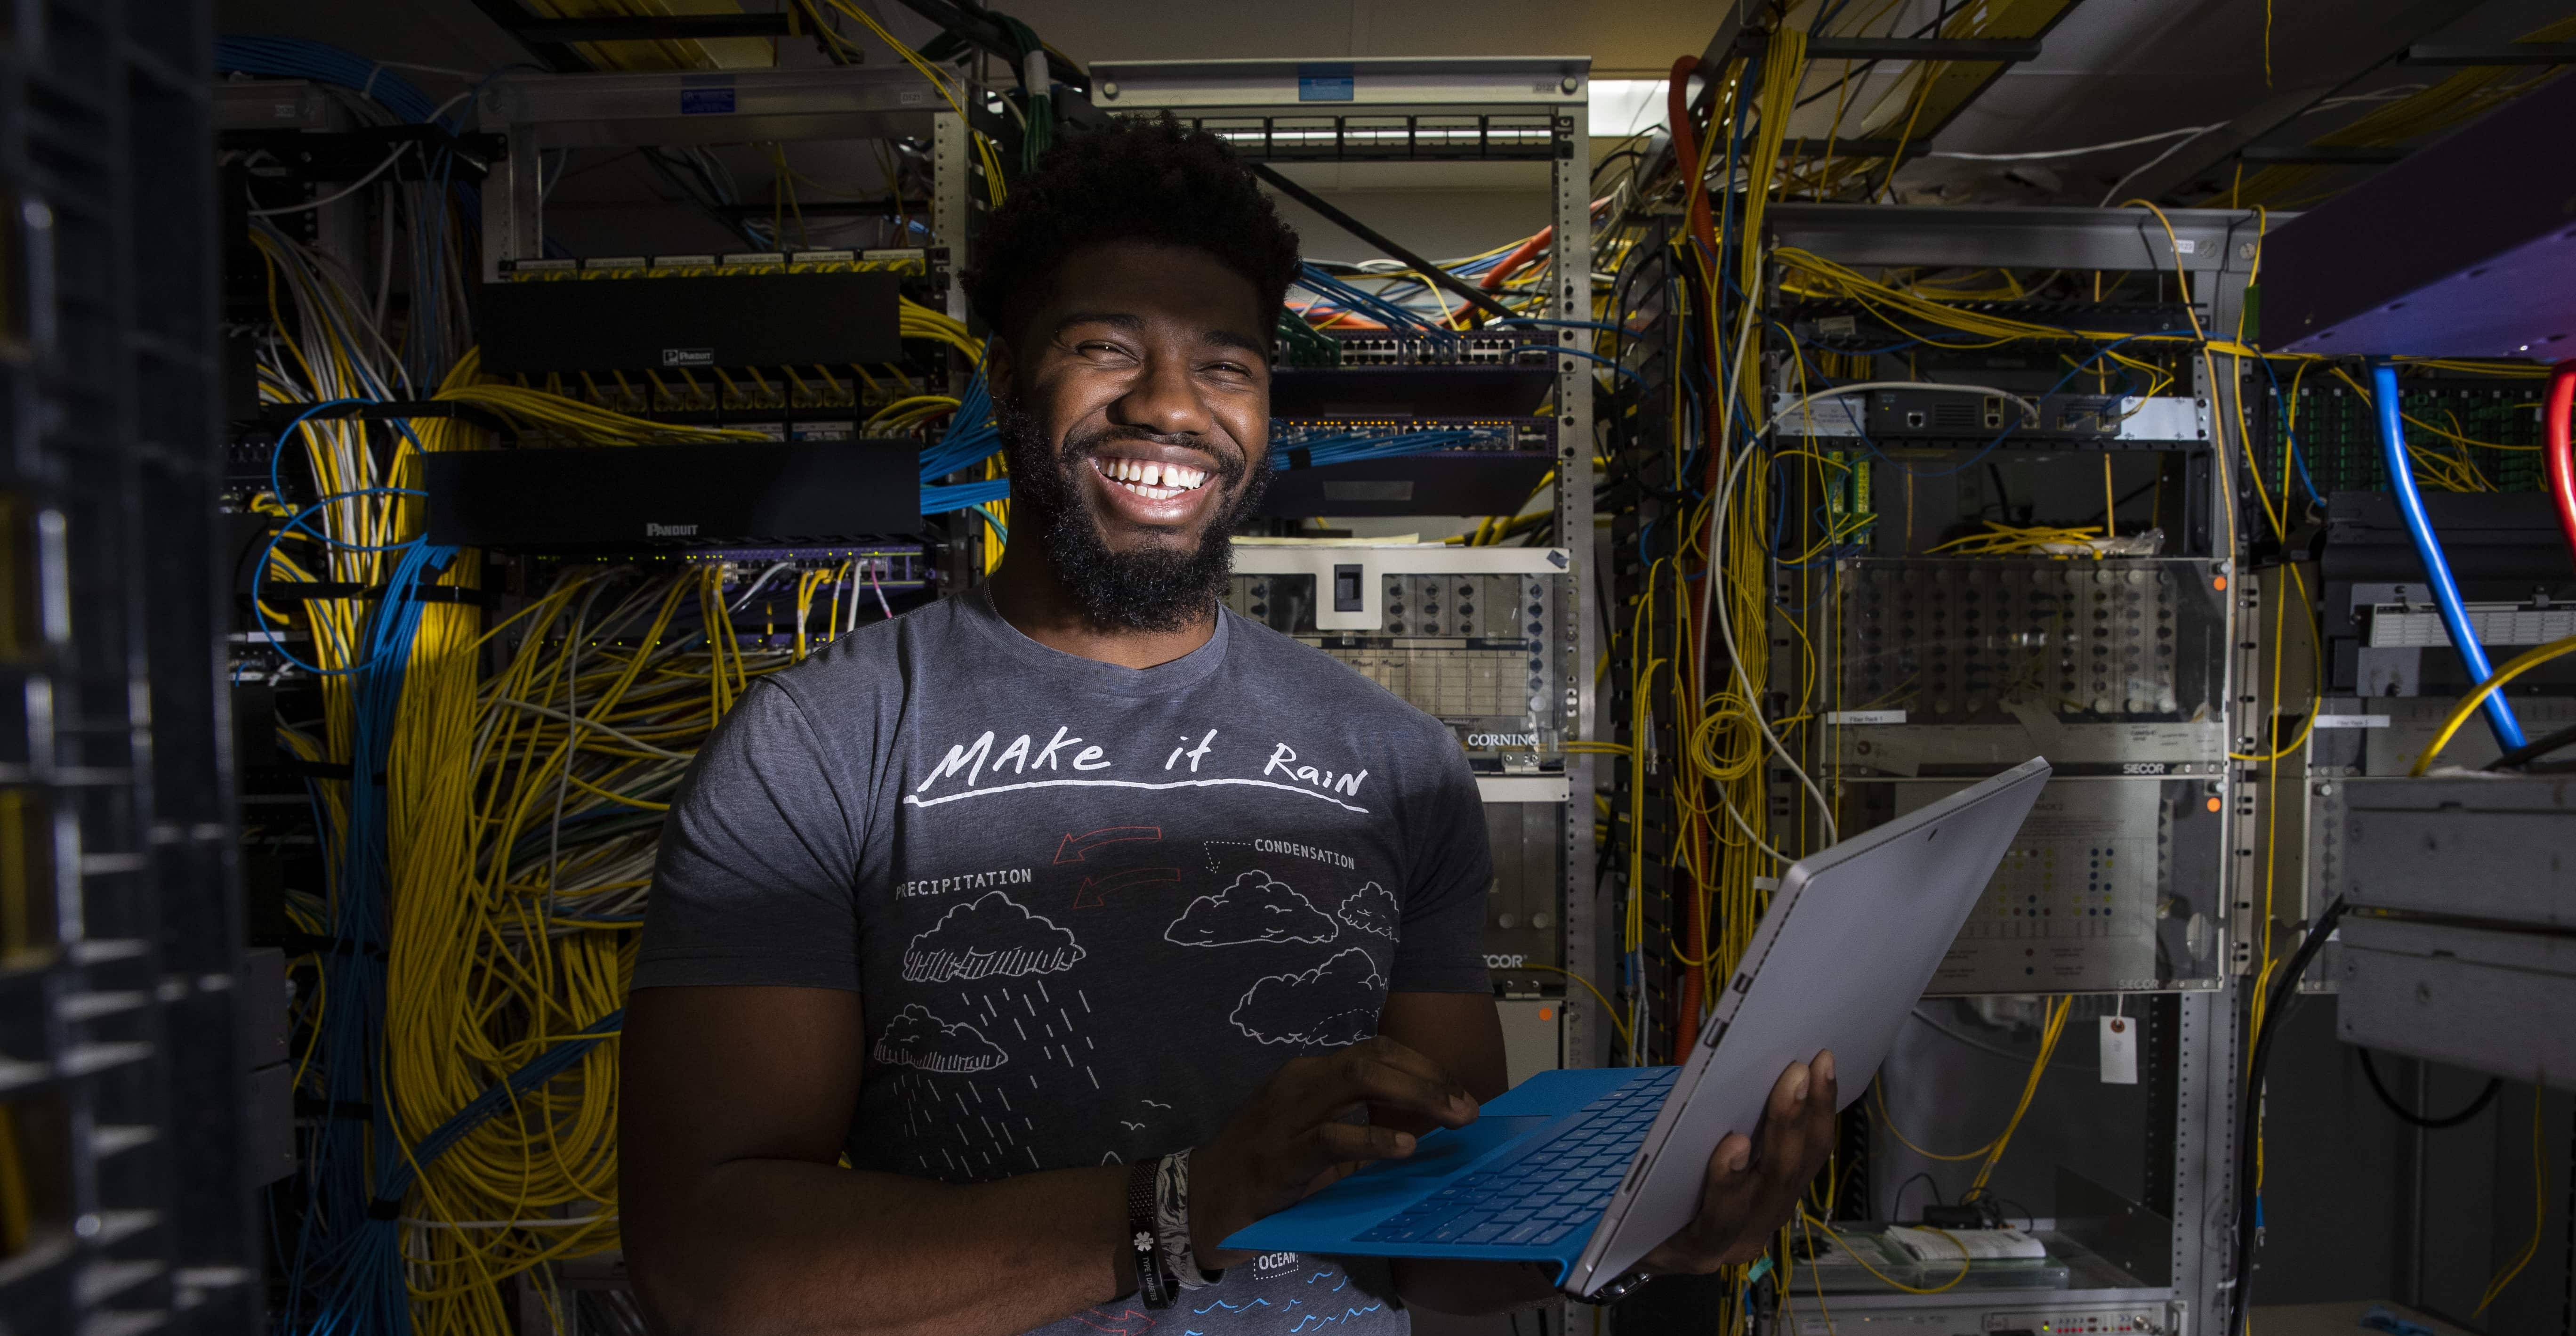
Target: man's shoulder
x,y
867,659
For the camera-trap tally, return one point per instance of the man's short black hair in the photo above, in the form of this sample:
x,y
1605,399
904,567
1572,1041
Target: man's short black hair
x,y
1135,180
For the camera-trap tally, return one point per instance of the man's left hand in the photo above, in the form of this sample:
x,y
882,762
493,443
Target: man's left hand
x,y
1754,1183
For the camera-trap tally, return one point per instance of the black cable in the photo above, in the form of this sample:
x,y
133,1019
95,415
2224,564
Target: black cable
x,y
2028,1220
2003,493
1896,1204
2250,1109
2534,749
1614,157
2140,490
2413,1119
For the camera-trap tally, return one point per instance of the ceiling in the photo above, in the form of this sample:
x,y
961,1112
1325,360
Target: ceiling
x,y
2110,70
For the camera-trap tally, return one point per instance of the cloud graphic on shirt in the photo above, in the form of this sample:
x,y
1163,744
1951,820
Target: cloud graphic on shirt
x,y
1371,909
915,1038
989,936
1258,907
1333,1004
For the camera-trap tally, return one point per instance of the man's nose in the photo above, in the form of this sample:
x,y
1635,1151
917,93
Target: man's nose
x,y
1163,399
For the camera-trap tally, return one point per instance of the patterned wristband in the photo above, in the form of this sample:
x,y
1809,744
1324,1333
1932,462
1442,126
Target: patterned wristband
x,y
1172,1223
1152,1281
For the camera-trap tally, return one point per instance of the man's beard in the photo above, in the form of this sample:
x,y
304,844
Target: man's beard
x,y
1155,589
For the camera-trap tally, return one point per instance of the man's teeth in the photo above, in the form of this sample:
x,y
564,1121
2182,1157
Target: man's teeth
x,y
1151,479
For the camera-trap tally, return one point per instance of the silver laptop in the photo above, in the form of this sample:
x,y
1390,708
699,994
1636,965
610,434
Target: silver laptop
x,y
1590,1170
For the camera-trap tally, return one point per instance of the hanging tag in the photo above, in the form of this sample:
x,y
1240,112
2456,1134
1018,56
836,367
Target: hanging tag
x,y
2119,1051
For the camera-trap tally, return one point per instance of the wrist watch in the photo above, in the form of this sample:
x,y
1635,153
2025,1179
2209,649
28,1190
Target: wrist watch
x,y
1621,1288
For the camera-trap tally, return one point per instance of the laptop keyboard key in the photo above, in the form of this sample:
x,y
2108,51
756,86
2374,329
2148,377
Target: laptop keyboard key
x,y
1543,1197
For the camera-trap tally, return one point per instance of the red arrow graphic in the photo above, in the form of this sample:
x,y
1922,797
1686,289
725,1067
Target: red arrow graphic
x,y
1094,891
1076,846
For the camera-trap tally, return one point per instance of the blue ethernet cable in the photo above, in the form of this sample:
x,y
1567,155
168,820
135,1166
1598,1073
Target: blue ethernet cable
x,y
2437,568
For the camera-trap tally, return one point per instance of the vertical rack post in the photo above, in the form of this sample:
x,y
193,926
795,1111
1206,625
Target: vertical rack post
x,y
513,206
1586,1039
950,171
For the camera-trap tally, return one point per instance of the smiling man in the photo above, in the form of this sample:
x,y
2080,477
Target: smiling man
x,y
1011,902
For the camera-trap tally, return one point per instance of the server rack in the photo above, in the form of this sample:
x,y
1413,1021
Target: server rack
x,y
128,1021
1462,109
2169,1245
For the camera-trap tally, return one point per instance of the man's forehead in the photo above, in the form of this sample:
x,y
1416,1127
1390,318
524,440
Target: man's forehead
x,y
1132,283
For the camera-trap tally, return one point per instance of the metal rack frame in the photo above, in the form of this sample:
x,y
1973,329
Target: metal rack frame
x,y
541,111
534,112
1398,94
2217,250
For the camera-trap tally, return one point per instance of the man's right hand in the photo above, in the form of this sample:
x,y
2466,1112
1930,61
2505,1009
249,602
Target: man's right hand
x,y
1292,1139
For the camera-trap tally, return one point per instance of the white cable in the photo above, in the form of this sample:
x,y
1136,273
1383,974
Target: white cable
x,y
1713,600
2186,131
352,188
1715,433
2134,172
1735,657
441,108
759,584
2392,93
2030,406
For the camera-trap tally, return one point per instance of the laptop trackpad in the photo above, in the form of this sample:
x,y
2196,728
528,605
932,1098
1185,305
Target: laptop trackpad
x,y
1446,1150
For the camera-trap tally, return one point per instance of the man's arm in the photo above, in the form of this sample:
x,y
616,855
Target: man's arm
x,y
1462,1033
733,1104
738,1220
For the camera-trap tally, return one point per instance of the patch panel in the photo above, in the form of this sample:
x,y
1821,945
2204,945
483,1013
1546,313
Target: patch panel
x,y
1487,433
1373,348
1471,650
1918,417
901,260
2131,1321
2126,1320
2338,438
1995,640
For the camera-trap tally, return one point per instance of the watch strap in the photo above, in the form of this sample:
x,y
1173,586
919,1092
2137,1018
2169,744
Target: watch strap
x,y
1152,1283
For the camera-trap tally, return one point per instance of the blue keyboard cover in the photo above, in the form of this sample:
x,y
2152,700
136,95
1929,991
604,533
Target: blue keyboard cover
x,y
1549,1190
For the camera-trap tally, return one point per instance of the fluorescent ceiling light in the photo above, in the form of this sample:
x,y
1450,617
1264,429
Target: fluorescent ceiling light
x,y
1625,106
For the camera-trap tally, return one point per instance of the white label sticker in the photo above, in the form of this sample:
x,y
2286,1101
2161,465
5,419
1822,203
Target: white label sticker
x,y
2352,721
2119,1051
1847,717
2185,245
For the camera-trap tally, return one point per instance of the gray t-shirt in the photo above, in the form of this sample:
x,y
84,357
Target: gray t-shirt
x,y
1089,909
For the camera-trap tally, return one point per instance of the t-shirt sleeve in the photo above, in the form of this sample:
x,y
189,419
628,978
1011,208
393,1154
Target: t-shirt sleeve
x,y
758,858
1449,871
